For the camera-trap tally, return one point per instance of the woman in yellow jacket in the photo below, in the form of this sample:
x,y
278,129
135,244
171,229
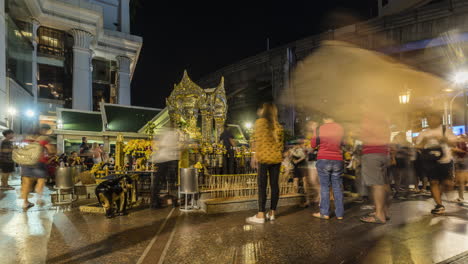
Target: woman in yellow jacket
x,y
268,144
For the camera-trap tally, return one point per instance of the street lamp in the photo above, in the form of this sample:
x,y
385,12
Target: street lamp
x,y
404,97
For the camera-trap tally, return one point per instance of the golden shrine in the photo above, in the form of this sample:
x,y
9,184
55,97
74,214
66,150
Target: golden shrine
x,y
188,100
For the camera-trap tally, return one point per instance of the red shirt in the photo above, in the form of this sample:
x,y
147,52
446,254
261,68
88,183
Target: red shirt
x,y
375,135
331,135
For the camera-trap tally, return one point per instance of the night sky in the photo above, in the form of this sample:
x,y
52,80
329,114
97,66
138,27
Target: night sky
x,y
202,37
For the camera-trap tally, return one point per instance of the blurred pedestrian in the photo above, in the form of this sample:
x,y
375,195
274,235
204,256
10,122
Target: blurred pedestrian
x,y
227,139
313,192
37,173
7,166
268,145
375,135
330,167
461,167
299,160
166,157
400,156
437,159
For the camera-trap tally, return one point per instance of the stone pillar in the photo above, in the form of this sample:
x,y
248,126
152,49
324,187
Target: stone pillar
x,y
3,81
124,94
82,78
125,16
60,144
106,144
35,26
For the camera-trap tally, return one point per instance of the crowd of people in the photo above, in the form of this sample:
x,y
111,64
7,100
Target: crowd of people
x,y
34,175
386,167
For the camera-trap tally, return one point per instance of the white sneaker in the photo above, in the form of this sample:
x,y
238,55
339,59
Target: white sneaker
x,y
270,217
255,220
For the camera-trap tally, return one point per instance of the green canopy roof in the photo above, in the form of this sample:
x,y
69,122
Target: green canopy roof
x,y
81,121
127,119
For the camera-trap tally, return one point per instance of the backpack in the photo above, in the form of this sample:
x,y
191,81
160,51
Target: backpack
x,y
434,153
28,154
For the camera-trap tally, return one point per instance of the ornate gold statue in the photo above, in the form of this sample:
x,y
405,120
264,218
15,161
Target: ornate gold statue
x,y
188,99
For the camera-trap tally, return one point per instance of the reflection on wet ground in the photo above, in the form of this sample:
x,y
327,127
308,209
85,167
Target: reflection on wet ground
x,y
64,235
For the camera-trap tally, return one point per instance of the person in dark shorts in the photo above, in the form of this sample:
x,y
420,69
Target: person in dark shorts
x,y
375,135
437,159
7,166
37,173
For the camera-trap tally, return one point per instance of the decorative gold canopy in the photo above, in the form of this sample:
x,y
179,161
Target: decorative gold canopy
x,y
188,99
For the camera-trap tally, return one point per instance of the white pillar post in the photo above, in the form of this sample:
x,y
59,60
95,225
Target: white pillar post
x,y
60,144
35,26
125,16
124,95
82,78
3,82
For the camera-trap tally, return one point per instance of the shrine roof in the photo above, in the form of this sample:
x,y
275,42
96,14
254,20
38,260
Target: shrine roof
x,y
120,118
80,120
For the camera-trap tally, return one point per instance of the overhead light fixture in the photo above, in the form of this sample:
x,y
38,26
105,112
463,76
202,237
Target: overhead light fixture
x,y
30,113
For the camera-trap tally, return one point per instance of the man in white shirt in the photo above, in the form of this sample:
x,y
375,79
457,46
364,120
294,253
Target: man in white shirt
x,y
166,157
434,144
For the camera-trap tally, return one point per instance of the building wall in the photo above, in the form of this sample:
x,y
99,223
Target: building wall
x,y
92,29
111,13
3,86
388,34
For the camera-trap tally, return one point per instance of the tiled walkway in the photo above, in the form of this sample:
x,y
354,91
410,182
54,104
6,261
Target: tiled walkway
x,y
64,235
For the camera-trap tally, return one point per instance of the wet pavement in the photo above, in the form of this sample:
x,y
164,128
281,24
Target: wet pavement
x,y
64,235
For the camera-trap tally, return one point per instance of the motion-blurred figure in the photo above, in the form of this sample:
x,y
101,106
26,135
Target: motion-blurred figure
x,y
7,166
461,166
437,158
227,139
375,135
166,157
36,173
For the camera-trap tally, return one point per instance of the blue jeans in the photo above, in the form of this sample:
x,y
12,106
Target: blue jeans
x,y
330,172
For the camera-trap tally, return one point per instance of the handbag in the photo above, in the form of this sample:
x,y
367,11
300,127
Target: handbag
x,y
28,154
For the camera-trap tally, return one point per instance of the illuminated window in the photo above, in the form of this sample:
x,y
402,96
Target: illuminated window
x,y
51,41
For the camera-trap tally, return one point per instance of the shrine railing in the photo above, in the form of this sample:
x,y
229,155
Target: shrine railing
x,y
239,185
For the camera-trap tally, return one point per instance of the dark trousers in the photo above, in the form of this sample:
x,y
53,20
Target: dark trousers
x,y
167,173
228,163
273,171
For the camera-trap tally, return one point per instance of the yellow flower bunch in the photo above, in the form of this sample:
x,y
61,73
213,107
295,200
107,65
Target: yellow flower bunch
x,y
138,147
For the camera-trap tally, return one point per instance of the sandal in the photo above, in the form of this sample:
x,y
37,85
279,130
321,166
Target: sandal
x,y
371,220
321,216
387,218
